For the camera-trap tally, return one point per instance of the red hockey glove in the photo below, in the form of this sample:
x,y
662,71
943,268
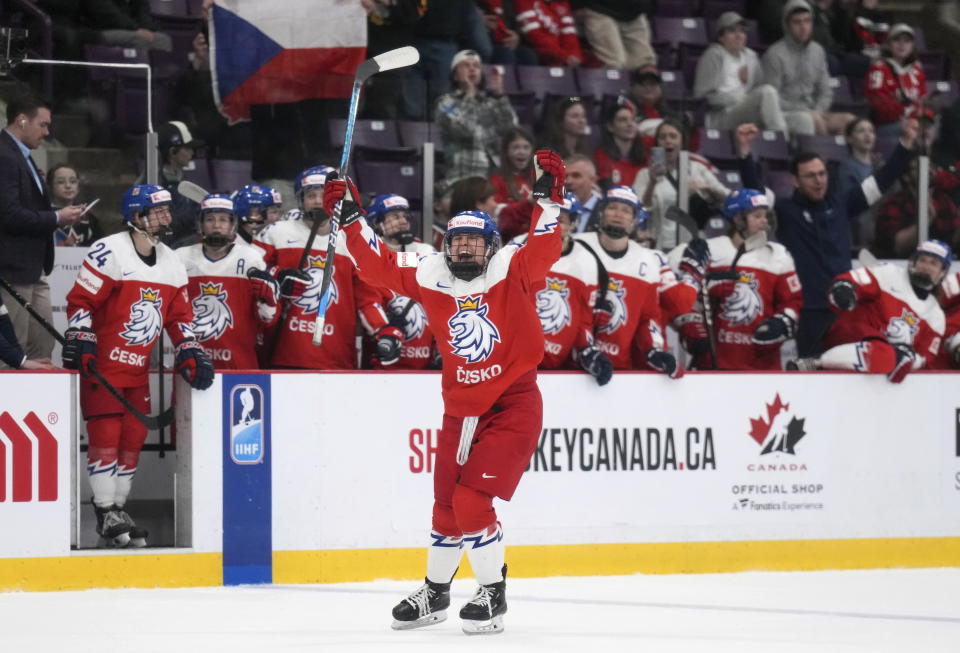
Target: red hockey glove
x,y
336,190
80,350
905,359
193,365
721,283
551,176
389,345
264,287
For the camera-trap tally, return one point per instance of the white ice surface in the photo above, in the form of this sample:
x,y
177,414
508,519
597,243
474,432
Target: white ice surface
x,y
903,611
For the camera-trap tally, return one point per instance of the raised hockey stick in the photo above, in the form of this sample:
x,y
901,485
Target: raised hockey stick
x,y
192,191
152,422
399,58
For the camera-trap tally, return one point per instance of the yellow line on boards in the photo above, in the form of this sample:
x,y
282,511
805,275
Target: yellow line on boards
x,y
356,565
81,572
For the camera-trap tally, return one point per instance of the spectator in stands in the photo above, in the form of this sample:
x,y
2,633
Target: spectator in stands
x,y
582,182
814,223
27,222
512,179
829,23
507,48
657,186
64,184
566,128
547,25
647,94
896,82
618,31
898,232
797,67
864,27
473,117
728,77
621,154
177,147
472,194
127,23
860,164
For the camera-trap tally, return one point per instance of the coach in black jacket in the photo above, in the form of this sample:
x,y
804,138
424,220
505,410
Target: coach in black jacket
x,y
814,224
27,222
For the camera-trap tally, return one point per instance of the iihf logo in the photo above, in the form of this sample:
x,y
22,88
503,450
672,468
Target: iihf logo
x,y
472,335
309,301
616,295
246,425
553,306
211,313
414,319
744,304
145,319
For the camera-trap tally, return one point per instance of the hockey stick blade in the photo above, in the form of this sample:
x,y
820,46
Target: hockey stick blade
x,y
399,58
683,219
866,258
191,191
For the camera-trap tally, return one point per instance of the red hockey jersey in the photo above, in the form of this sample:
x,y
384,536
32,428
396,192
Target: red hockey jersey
x,y
126,302
949,298
620,172
283,243
891,88
635,323
768,285
226,314
889,309
549,28
487,329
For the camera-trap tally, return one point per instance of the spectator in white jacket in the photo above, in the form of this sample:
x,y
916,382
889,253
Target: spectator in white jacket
x,y
657,186
730,80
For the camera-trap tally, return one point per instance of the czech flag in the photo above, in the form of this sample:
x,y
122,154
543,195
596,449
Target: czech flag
x,y
278,51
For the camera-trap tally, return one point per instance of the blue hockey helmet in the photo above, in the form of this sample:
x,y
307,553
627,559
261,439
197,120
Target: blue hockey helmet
x,y
383,204
470,222
313,177
936,249
255,196
744,201
218,203
140,198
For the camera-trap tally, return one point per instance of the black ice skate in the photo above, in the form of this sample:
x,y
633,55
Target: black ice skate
x,y
425,607
114,532
138,536
802,365
483,614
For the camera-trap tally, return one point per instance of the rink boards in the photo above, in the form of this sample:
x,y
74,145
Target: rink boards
x,y
301,477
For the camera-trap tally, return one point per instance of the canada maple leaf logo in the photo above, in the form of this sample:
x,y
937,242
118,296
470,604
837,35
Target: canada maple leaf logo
x,y
780,442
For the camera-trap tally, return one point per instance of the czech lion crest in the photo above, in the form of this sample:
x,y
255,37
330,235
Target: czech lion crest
x,y
145,318
472,334
309,301
744,304
211,313
553,306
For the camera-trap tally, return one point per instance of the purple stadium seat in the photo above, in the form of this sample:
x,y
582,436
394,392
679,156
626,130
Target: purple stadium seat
x,y
593,137
844,98
689,55
404,179
546,80
115,54
597,82
375,134
936,65
676,8
666,56
414,133
673,84
771,147
780,182
942,93
509,77
713,8
200,174
231,174
831,148
731,179
716,146
171,8
919,39
680,30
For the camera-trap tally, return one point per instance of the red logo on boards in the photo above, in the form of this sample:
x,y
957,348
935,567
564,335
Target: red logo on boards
x,y
17,459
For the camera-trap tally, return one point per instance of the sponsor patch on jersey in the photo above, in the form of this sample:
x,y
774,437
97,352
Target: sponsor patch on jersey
x,y
407,259
793,283
89,281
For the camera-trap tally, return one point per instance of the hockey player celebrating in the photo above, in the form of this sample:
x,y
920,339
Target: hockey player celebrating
x,y
389,215
565,301
231,293
629,326
754,297
890,322
283,243
256,207
481,296
949,298
129,287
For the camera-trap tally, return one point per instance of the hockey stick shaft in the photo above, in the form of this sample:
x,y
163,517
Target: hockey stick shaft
x,y
151,422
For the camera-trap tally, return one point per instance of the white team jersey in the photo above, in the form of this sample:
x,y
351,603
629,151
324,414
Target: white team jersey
x,y
287,234
895,281
241,259
773,257
638,263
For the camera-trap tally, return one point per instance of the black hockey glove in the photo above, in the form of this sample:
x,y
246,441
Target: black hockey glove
x,y
595,363
80,350
293,283
665,363
696,259
843,295
193,365
774,330
389,345
905,359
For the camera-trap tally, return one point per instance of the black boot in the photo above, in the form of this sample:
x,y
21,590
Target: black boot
x,y
113,531
138,535
427,606
483,614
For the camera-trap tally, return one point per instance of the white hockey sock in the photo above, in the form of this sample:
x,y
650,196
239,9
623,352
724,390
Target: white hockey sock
x,y
852,356
485,551
103,482
124,483
443,557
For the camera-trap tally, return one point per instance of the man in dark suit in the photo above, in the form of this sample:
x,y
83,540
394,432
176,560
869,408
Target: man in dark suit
x,y
27,221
